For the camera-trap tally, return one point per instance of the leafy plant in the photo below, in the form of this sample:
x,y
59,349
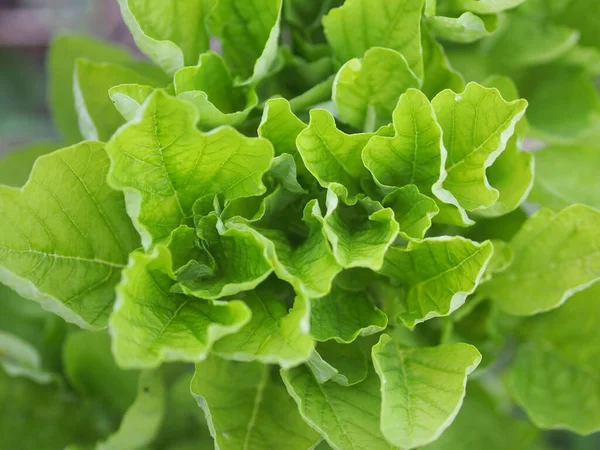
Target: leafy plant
x,y
324,216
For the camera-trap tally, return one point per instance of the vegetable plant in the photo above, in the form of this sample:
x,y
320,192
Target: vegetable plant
x,y
310,224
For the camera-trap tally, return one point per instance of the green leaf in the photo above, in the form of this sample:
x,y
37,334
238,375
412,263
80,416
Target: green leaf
x,y
359,234
478,423
412,210
438,274
345,364
555,373
464,29
347,417
581,15
344,316
129,98
439,74
366,90
555,256
477,125
172,34
332,156
151,324
283,170
16,165
273,336
565,176
359,25
66,223
422,389
247,407
249,35
488,6
19,358
415,155
163,164
210,88
64,53
97,117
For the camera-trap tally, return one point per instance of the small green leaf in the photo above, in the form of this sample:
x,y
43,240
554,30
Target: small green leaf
x,y
422,389
345,364
246,407
129,98
412,210
438,273
464,29
365,91
19,358
555,256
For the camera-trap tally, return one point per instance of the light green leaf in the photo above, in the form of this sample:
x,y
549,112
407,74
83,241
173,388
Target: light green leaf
x,y
283,170
273,336
163,164
555,256
488,6
98,118
438,274
65,50
464,29
422,389
347,417
129,98
477,125
359,234
249,35
439,74
412,210
345,364
478,423
358,25
555,373
565,176
151,324
171,33
16,165
415,155
246,407
66,223
332,156
19,358
344,316
366,90
209,87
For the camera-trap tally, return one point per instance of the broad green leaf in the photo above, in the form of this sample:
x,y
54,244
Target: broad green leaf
x,y
151,324
415,155
555,373
565,176
345,364
129,98
143,419
488,6
366,90
209,87
555,256
273,335
412,210
347,417
359,234
249,34
332,156
438,73
64,52
481,424
464,29
477,125
98,118
359,25
281,126
172,34
438,274
163,164
422,389
66,223
247,407
16,165
344,316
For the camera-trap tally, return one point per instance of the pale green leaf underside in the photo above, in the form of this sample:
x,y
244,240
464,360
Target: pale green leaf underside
x,y
19,358
129,98
438,273
248,408
65,237
555,256
422,389
464,29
